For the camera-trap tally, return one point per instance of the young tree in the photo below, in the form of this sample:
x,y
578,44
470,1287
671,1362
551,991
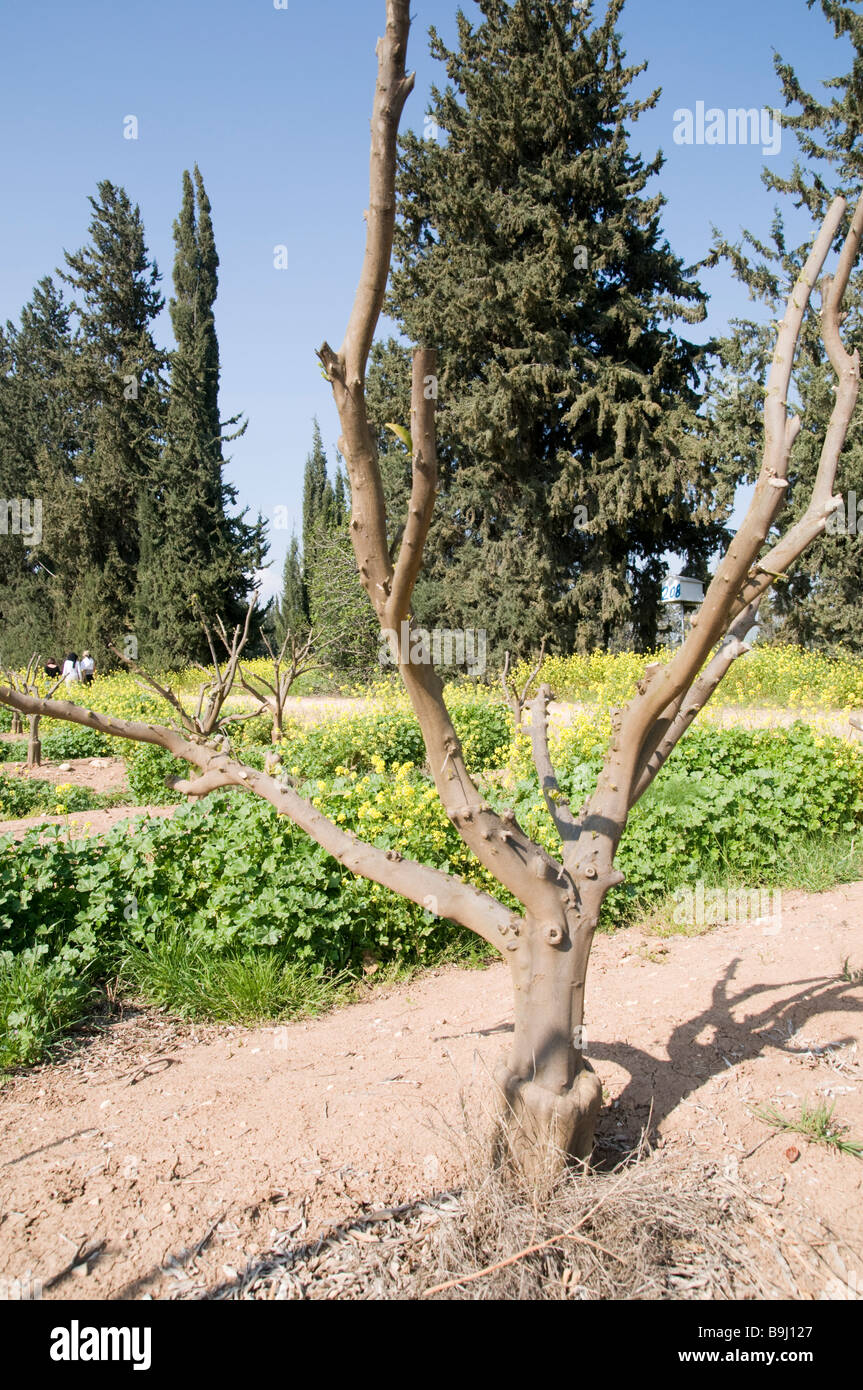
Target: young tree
x,y
184,515
28,684
292,659
550,1093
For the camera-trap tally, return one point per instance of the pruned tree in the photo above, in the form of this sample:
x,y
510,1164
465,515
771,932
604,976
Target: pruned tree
x,y
208,717
297,655
515,698
550,1094
28,684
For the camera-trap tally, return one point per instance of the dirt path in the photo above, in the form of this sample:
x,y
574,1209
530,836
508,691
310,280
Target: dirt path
x,y
96,774
171,1156
313,709
84,824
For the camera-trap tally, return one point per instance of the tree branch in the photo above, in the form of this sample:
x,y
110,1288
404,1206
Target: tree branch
x,y
438,892
347,368
423,488
631,729
847,368
559,808
697,697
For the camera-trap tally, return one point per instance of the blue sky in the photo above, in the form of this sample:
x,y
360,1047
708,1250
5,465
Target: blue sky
x,y
273,104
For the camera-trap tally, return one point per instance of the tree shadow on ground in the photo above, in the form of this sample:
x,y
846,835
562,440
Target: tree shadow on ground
x,y
657,1086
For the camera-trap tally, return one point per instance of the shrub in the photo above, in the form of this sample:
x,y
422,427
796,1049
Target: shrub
x,y
729,802
228,879
72,741
13,752
393,737
147,768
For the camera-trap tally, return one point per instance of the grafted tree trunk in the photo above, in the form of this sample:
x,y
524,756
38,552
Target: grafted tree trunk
x,y
550,1094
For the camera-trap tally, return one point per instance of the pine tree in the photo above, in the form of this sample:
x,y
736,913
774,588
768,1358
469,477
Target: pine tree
x,y
39,429
196,557
530,253
116,369
820,605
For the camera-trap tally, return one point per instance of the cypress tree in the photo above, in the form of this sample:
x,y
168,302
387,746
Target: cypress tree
x,y
291,615
529,251
191,544
820,605
318,498
338,610
318,508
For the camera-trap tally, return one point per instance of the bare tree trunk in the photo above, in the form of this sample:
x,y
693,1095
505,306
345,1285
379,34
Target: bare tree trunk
x,y
550,1094
34,746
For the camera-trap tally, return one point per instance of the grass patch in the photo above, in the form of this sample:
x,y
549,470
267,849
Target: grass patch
x,y
40,1000
815,864
850,976
243,986
810,865
815,1124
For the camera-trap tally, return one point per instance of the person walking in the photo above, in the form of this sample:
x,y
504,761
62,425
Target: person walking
x,y
52,670
71,670
88,667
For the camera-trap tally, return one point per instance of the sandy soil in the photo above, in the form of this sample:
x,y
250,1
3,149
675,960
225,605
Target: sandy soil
x,y
314,708
97,774
156,1160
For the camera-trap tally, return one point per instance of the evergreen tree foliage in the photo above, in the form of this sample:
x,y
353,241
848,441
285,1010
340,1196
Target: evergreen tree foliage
x,y
337,609
290,615
346,630
39,434
820,605
318,504
531,253
116,374
195,556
